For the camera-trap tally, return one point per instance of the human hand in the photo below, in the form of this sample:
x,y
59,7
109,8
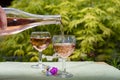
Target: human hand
x,y
3,19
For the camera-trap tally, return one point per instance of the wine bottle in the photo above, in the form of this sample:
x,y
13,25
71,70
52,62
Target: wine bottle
x,y
18,21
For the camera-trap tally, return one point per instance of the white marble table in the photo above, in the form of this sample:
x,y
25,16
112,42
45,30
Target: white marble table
x,y
80,71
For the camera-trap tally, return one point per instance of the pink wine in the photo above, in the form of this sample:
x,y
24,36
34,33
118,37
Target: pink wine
x,y
17,25
40,43
64,49
19,21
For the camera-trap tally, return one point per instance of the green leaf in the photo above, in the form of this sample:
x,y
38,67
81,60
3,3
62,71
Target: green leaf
x,y
19,52
34,59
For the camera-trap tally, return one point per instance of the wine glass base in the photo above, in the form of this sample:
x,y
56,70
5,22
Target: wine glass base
x,y
37,66
65,75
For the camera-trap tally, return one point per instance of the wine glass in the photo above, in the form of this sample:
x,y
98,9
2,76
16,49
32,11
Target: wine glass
x,y
40,41
64,46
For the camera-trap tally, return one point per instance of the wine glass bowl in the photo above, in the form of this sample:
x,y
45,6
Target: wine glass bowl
x,y
64,47
40,41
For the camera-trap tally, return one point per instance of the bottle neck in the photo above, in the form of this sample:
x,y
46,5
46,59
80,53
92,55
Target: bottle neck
x,y
55,19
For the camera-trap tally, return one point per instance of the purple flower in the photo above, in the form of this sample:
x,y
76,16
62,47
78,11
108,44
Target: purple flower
x,y
53,70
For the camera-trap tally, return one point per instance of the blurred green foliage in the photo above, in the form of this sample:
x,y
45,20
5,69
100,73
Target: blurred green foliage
x,y
94,23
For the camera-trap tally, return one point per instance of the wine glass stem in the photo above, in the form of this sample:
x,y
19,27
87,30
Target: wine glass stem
x,y
64,65
40,58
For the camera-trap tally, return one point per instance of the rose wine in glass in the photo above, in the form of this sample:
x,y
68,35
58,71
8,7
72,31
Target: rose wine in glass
x,y
40,41
64,46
